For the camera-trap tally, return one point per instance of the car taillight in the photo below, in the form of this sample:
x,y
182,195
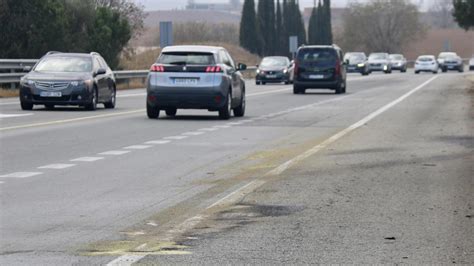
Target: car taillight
x,y
157,68
295,70
338,67
213,69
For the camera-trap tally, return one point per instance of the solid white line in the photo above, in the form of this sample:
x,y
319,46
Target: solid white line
x,y
21,174
138,147
158,142
9,103
208,129
131,95
114,152
87,159
57,166
280,169
176,137
222,126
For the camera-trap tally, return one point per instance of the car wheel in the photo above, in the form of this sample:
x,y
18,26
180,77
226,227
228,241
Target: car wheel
x,y
339,88
257,83
263,83
287,82
296,89
224,113
461,70
93,104
49,106
171,111
111,104
152,112
417,72
26,106
444,70
239,111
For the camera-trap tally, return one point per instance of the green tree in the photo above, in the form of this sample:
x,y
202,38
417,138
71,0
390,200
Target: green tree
x,y
327,25
29,28
300,28
313,27
109,34
266,22
249,37
279,43
464,13
285,35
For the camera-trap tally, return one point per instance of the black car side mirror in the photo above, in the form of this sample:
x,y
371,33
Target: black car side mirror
x,y
100,71
27,69
242,66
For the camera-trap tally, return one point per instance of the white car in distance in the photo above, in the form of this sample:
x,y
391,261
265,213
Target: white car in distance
x,y
426,63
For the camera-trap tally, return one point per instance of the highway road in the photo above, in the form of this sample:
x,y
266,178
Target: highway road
x,y
382,174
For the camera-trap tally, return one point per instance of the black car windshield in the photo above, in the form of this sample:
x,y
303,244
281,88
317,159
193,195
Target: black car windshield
x,y
378,56
396,57
356,57
65,64
323,56
274,62
186,58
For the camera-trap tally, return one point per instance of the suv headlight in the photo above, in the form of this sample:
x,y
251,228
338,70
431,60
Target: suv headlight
x,y
258,71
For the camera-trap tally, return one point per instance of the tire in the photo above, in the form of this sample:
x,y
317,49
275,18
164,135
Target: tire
x,y
444,70
417,72
435,72
49,106
257,83
461,70
171,111
339,89
297,90
239,111
93,104
26,106
287,82
111,104
224,113
263,83
152,112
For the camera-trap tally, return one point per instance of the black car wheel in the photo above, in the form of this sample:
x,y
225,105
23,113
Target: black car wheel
x,y
93,104
152,112
224,113
171,111
297,90
111,104
339,88
26,106
239,111
257,82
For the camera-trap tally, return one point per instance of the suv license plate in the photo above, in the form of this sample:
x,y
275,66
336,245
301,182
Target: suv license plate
x,y
271,76
185,81
51,94
316,76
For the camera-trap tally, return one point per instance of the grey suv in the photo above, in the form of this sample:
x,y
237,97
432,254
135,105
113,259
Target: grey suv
x,y
68,79
195,77
319,67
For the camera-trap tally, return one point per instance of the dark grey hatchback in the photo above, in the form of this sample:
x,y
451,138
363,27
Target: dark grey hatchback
x,y
195,77
68,79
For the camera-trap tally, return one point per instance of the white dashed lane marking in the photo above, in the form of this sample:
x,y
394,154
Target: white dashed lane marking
x,y
158,142
57,166
13,115
114,153
138,147
197,133
176,137
87,159
208,129
21,174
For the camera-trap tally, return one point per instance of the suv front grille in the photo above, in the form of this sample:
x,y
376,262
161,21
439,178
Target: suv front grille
x,y
51,85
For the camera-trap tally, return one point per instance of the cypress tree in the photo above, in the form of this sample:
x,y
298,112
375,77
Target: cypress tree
x,y
286,28
320,35
313,26
279,31
328,24
266,21
249,37
300,28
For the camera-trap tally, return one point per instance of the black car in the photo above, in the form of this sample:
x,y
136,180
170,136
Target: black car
x,y
357,63
68,79
318,67
274,69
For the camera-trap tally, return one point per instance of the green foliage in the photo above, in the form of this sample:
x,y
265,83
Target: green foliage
x,y
464,13
249,36
279,31
320,28
30,28
327,25
266,22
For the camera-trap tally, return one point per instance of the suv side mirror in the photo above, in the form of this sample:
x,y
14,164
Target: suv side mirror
x,y
27,69
242,66
346,62
100,71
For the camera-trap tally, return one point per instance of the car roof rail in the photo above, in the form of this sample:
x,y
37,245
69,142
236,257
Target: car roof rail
x,y
94,53
52,52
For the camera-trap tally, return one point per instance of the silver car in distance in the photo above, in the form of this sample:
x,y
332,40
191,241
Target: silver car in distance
x,y
195,77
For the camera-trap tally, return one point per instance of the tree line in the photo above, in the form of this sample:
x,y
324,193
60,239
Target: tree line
x,y
265,29
30,28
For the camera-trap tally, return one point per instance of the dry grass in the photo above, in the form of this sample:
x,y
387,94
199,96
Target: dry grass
x,y
8,93
132,84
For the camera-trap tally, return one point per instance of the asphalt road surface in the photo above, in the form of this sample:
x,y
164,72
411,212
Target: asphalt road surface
x,y
383,174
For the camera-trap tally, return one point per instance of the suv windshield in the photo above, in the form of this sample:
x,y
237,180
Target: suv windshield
x,y
322,56
186,58
377,56
65,64
274,61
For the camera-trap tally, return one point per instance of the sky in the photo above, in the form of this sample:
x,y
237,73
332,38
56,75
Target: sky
x,y
151,5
